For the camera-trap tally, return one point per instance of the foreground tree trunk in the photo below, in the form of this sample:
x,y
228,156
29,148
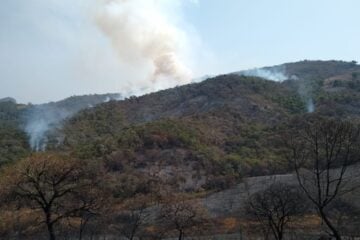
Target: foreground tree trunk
x,y
336,234
50,226
181,235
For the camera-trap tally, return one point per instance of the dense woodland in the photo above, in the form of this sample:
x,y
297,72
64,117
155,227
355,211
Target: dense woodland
x,y
159,166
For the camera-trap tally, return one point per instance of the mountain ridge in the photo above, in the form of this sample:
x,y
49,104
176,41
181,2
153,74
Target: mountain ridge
x,y
226,115
225,126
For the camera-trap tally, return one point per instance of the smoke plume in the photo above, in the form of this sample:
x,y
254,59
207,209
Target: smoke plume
x,y
305,90
274,74
310,106
41,119
278,73
146,40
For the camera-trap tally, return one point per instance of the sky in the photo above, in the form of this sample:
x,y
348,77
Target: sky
x,y
52,49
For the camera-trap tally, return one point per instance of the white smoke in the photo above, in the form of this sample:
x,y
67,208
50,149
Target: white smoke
x,y
273,74
278,74
147,40
40,120
306,93
310,106
36,130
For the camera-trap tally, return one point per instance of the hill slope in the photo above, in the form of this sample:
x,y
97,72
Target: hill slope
x,y
24,127
201,135
212,133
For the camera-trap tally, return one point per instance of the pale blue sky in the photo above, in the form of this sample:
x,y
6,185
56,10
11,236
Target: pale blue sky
x,y
51,49
252,33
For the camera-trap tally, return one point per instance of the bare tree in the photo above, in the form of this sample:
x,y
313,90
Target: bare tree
x,y
133,218
182,215
276,206
321,153
57,185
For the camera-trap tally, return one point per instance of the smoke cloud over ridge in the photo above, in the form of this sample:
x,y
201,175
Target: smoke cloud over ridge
x,y
55,49
147,40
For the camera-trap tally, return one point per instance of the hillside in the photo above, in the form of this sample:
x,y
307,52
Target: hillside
x,y
226,126
210,134
24,127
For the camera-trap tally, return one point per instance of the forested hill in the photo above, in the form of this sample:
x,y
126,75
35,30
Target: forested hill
x,y
213,132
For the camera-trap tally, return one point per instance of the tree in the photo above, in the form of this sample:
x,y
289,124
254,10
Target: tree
x,y
276,206
321,153
133,218
59,186
182,215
